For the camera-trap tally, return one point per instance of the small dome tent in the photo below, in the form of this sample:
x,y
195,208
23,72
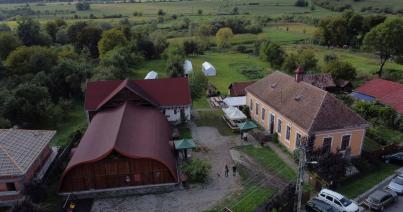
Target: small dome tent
x,y
187,67
208,69
152,75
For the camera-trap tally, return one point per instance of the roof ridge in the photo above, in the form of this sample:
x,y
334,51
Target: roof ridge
x,y
317,112
124,106
11,158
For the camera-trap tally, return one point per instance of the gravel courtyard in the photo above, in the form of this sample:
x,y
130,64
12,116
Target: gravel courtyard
x,y
197,198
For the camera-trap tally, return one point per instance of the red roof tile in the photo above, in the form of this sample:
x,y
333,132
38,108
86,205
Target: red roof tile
x,y
133,131
386,92
164,92
238,88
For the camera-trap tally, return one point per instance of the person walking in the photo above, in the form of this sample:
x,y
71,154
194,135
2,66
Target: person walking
x,y
226,171
233,170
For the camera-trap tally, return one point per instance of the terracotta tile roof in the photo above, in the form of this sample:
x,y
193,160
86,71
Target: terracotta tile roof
x,y
312,108
20,148
133,131
238,88
161,92
387,92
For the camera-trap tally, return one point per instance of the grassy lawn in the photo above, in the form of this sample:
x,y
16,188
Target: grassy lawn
x,y
249,198
213,119
201,103
226,64
184,131
366,64
269,159
360,185
75,121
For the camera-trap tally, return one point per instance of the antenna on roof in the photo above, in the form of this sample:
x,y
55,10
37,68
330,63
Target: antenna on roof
x,y
298,98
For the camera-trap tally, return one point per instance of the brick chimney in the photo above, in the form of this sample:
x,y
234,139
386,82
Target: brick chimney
x,y
299,74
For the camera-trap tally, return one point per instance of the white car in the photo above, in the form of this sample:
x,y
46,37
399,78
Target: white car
x,y
338,201
396,184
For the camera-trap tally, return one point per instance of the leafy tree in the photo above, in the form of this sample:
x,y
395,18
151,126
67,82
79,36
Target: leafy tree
x,y
385,40
191,47
28,31
8,43
51,28
272,53
30,104
198,85
196,169
307,60
120,60
110,39
203,33
32,59
290,63
301,3
66,79
200,12
223,37
161,12
83,36
159,41
83,6
340,70
62,37
174,56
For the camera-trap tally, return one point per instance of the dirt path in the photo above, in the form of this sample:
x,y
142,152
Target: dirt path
x,y
197,198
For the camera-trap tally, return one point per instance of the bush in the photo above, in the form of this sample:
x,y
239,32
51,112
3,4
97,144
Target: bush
x,y
275,138
196,169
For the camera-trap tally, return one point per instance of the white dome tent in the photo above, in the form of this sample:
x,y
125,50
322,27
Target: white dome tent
x,y
187,68
208,69
234,114
151,75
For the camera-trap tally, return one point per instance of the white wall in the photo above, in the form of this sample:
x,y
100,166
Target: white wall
x,y
174,114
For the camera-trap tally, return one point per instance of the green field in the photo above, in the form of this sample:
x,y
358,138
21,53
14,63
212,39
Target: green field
x,y
357,5
189,8
366,64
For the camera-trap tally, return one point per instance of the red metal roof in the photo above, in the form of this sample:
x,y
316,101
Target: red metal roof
x,y
163,92
386,92
133,131
238,88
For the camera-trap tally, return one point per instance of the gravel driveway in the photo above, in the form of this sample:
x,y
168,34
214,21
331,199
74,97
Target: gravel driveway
x,y
197,198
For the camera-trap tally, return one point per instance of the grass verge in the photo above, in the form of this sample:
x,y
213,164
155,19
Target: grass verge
x,y
269,159
366,181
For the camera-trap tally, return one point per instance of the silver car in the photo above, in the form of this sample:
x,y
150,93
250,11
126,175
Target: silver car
x,y
396,185
380,199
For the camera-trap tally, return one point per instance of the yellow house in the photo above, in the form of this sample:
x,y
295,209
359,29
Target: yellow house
x,y
295,110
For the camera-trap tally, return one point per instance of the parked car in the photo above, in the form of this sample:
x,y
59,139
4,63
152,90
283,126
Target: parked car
x,y
380,199
396,184
393,158
338,201
317,205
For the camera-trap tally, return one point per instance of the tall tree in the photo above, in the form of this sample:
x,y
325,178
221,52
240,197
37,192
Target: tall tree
x,y
8,43
272,53
385,40
174,56
29,32
31,60
224,36
110,39
340,70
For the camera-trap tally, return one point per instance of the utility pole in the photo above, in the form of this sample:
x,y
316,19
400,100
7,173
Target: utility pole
x,y
300,179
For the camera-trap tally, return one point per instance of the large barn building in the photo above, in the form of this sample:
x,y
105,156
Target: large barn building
x,y
128,140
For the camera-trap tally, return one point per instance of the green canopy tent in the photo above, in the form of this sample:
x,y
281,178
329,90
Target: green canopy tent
x,y
245,126
184,145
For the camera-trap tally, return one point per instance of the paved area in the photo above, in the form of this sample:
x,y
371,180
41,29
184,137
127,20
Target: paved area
x,y
397,207
198,197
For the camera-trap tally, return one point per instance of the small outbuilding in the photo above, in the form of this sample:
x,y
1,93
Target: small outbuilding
x,y
187,68
151,75
208,69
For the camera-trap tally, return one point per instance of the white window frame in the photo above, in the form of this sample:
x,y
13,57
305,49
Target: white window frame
x,y
331,143
349,141
281,126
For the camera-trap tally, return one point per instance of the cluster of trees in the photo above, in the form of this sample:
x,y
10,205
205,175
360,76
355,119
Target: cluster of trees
x,y
305,58
237,25
43,68
346,29
385,10
337,6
